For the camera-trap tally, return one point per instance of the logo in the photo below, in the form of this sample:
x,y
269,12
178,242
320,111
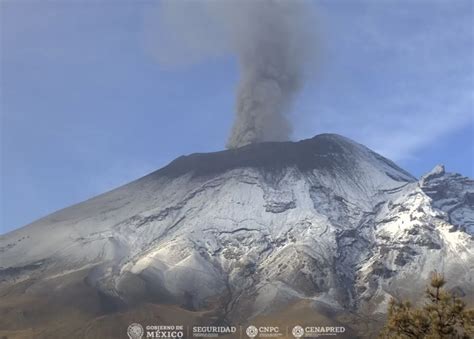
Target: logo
x,y
321,331
213,331
135,331
252,331
165,331
264,332
297,331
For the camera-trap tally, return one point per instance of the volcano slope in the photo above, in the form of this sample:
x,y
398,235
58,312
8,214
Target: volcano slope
x,y
322,231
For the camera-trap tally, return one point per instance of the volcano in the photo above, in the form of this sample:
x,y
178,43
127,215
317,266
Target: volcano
x,y
322,231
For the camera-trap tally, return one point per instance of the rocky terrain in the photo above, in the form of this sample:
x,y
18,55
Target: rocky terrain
x,y
323,227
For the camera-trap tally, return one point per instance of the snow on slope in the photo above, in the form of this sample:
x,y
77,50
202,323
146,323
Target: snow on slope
x,y
323,219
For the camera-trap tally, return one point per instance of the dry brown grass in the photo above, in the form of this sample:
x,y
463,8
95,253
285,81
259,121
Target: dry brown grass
x,y
66,307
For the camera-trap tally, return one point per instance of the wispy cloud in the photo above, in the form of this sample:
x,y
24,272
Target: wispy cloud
x,y
401,75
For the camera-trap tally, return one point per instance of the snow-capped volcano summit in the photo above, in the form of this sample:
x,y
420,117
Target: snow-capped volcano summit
x,y
244,233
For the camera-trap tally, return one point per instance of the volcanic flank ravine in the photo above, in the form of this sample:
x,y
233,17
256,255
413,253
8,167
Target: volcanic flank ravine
x,y
321,230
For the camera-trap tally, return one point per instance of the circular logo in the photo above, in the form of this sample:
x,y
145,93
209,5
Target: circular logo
x,y
297,331
252,331
135,331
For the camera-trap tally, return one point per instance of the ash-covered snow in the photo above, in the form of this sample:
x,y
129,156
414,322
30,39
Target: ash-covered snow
x,y
323,219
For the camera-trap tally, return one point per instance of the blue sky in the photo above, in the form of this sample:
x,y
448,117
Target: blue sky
x,y
86,107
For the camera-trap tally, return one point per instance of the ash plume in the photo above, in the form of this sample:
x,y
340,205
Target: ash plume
x,y
272,42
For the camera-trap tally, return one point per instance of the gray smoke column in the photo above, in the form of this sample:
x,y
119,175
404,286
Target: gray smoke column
x,y
272,49
273,42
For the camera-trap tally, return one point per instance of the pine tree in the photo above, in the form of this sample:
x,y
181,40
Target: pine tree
x,y
444,316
